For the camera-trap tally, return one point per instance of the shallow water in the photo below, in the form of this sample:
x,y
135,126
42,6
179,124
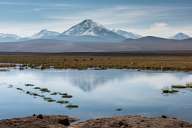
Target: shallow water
x,y
97,92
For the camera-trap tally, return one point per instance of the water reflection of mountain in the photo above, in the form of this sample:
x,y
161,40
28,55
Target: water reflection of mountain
x,y
89,85
91,81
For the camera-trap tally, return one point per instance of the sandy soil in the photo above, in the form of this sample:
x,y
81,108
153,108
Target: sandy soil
x,y
41,121
133,122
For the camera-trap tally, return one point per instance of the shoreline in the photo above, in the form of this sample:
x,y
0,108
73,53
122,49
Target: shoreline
x,y
102,61
61,121
7,69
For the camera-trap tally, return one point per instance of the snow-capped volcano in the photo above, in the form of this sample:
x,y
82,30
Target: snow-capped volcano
x,y
8,37
128,35
45,34
181,36
85,28
89,28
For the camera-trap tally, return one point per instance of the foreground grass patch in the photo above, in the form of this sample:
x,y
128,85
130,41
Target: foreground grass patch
x,y
45,90
189,85
178,86
62,102
101,61
70,106
169,91
51,97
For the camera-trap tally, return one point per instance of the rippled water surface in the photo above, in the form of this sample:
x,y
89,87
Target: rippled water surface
x,y
98,93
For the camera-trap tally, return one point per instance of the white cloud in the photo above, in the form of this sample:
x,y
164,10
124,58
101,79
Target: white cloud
x,y
163,29
28,29
123,17
106,16
159,25
158,29
130,18
112,17
45,4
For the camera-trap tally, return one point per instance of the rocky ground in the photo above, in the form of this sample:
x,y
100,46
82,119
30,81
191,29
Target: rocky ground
x,y
38,121
133,122
41,121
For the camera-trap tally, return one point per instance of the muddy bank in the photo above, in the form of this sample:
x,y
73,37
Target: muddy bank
x,y
41,121
38,121
134,122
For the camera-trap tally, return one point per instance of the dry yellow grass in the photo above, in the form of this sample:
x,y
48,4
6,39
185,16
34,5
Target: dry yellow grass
x,y
161,62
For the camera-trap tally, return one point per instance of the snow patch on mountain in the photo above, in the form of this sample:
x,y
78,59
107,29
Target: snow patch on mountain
x,y
128,35
88,28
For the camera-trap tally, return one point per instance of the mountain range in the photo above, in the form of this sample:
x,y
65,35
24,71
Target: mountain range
x,y
89,36
85,31
57,46
8,37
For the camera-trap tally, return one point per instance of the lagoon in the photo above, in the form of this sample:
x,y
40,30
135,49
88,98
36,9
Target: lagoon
x,y
98,93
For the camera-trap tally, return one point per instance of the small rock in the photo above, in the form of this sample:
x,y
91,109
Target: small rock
x,y
119,109
40,116
121,123
163,116
64,122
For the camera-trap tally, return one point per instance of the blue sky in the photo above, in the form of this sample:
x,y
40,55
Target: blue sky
x,y
147,17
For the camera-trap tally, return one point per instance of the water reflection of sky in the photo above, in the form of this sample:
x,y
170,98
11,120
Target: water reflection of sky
x,y
97,92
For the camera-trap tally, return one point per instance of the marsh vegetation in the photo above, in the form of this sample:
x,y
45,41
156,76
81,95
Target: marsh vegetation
x,y
101,61
94,92
61,99
176,88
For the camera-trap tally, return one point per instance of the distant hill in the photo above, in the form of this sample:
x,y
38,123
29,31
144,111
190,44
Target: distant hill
x,y
180,36
45,34
142,44
8,37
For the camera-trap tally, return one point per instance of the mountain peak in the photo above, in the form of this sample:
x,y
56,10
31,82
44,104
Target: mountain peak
x,y
181,36
90,28
88,21
90,31
45,34
44,30
85,28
